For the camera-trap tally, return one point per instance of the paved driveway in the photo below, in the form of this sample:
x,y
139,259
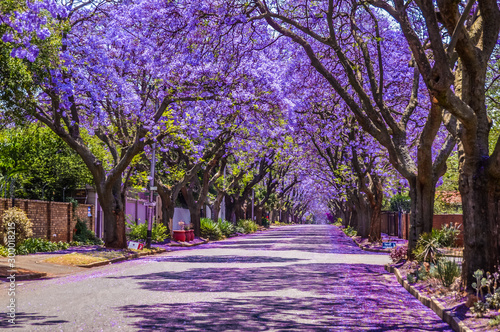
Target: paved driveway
x,y
294,278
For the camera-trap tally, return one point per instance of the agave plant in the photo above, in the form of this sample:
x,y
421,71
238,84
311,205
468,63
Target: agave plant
x,y
427,249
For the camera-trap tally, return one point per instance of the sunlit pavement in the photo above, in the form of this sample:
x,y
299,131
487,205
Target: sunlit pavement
x,y
299,278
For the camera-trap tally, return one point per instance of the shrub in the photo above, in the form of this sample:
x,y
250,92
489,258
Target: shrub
x,y
479,309
248,225
4,251
447,235
226,228
32,245
349,231
446,271
427,248
490,282
411,278
493,300
399,254
210,229
238,229
400,203
17,220
422,273
494,321
159,232
139,232
85,235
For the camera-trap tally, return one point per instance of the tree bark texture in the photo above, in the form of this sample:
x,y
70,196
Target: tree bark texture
x,y
112,201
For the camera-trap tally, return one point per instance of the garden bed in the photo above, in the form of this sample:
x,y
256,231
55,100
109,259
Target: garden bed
x,y
365,244
453,300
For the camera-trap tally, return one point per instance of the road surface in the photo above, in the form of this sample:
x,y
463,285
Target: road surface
x,y
293,278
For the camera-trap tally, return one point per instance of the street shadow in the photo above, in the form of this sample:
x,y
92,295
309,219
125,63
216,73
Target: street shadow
x,y
250,246
226,259
319,279
311,297
24,319
264,313
320,239
249,242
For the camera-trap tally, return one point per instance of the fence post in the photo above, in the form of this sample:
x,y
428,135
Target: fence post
x,y
92,223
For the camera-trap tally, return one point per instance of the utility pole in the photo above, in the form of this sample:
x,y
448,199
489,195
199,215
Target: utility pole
x,y
152,188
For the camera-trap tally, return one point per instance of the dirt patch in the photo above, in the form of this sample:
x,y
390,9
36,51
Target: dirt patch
x,y
90,257
75,259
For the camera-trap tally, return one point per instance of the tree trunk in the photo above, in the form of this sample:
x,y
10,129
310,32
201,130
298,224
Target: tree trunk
x,y
479,182
480,203
258,215
422,195
376,200
167,207
362,215
112,202
238,211
284,216
230,208
376,224
196,221
216,207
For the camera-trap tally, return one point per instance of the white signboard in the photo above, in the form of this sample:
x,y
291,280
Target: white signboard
x,y
135,245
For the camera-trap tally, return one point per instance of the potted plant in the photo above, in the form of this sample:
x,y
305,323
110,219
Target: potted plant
x,y
180,235
190,231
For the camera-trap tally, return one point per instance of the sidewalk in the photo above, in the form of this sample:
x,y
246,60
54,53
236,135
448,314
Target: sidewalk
x,y
33,266
34,263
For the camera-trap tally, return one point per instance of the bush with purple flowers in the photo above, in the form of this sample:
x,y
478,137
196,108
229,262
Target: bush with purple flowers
x,y
399,254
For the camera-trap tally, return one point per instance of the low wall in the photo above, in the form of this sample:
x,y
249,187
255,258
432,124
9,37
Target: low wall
x,y
52,220
392,226
440,220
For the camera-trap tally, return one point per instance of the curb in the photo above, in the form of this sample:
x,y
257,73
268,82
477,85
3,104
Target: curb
x,y
386,251
28,276
445,314
186,244
120,259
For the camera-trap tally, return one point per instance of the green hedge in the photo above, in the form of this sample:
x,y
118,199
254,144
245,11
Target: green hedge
x,y
138,232
248,226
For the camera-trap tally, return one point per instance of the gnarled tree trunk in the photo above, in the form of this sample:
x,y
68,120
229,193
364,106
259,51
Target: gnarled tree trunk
x,y
422,195
112,201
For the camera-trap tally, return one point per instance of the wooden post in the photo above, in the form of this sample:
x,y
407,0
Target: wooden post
x,y
92,224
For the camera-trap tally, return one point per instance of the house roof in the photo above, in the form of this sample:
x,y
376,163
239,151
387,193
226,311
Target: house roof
x,y
450,197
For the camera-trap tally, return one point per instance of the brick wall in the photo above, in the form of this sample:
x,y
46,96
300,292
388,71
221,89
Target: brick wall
x,y
441,219
51,220
437,222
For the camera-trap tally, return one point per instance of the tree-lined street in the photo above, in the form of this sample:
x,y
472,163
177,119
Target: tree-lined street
x,y
308,278
180,122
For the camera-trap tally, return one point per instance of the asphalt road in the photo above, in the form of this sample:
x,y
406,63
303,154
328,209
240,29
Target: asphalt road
x,y
294,278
